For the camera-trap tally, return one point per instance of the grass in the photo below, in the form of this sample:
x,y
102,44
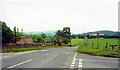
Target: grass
x,y
29,49
101,51
75,42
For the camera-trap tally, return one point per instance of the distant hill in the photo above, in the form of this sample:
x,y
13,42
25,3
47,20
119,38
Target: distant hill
x,y
52,33
48,33
105,32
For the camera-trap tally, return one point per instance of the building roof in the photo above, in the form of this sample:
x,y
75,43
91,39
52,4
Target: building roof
x,y
27,40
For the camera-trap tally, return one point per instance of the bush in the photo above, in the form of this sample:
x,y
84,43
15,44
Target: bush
x,y
59,42
65,40
37,39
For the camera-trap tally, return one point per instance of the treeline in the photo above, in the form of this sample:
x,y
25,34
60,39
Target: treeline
x,y
9,36
41,38
60,38
89,36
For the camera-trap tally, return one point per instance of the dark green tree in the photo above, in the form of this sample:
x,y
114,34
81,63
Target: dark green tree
x,y
52,39
62,37
65,40
37,39
73,36
18,35
43,35
7,34
15,34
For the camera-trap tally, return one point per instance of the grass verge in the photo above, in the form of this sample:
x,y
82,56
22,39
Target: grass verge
x,y
29,49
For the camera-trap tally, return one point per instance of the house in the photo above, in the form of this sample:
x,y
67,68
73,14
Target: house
x,y
95,34
27,40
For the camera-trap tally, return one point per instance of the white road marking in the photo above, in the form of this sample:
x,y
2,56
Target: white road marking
x,y
72,65
80,63
20,63
80,66
80,60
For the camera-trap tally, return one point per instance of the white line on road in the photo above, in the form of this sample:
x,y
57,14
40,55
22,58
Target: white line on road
x,y
80,63
72,65
79,66
20,63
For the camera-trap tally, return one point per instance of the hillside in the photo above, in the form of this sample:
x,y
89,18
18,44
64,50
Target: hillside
x,y
105,32
52,33
48,33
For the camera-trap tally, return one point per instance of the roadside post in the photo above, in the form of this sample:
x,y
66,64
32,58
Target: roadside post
x,y
106,46
113,46
92,44
43,45
85,40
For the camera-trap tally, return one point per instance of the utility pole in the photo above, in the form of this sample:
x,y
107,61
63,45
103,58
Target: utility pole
x,y
97,40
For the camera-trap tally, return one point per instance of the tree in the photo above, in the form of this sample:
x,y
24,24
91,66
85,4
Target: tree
x,y
18,35
43,35
7,34
52,39
33,39
37,39
65,40
47,39
15,34
59,39
62,36
73,36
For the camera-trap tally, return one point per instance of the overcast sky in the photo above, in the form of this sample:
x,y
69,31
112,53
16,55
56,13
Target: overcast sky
x,y
51,15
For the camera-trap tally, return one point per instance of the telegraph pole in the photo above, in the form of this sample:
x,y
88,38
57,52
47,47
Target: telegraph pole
x,y
97,40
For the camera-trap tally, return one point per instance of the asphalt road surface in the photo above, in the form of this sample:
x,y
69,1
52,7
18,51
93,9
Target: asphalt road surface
x,y
56,58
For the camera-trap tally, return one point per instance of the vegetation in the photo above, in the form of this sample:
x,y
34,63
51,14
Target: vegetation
x,y
62,37
73,42
37,39
106,34
43,35
29,49
9,36
101,51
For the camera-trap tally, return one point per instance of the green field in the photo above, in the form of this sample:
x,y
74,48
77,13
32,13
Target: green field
x,y
75,42
101,51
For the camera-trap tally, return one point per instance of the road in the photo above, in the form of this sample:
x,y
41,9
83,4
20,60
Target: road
x,y
62,58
